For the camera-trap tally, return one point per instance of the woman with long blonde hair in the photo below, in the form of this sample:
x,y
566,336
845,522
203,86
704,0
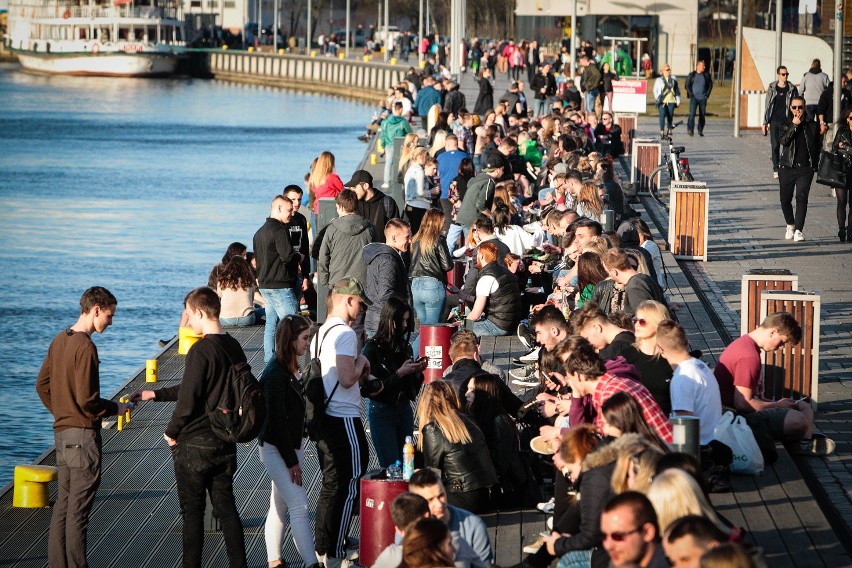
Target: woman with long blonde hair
x,y
418,197
675,494
323,181
452,443
409,144
589,203
430,261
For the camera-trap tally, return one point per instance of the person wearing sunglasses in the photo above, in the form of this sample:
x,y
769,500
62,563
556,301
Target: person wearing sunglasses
x,y
843,144
631,535
797,162
778,96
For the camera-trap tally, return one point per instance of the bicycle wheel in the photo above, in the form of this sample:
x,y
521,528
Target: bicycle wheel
x,y
661,185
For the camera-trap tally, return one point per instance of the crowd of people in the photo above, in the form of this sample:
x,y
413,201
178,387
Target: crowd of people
x,y
519,202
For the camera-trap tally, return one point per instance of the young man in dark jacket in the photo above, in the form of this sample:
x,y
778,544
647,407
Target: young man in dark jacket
x,y
798,160
373,205
203,462
544,87
299,240
277,269
387,274
699,85
777,109
346,236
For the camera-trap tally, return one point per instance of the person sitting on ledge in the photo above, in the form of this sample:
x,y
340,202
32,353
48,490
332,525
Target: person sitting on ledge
x,y
498,297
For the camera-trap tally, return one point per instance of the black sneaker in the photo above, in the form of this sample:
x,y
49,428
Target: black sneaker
x,y
525,336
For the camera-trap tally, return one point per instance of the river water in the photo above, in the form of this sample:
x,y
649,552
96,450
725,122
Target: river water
x,y
138,186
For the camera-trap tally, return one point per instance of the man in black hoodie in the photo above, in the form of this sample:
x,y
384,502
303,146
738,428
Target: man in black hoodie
x,y
277,269
373,205
298,227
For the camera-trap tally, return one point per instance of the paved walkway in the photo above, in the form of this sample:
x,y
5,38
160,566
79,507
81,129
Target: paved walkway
x,y
747,232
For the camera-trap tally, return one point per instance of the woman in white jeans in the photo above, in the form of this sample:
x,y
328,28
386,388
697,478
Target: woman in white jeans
x,y
281,443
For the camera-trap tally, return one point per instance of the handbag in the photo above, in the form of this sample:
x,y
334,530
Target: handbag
x,y
734,432
831,170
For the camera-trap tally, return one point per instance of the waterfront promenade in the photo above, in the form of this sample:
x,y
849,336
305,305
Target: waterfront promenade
x,y
136,517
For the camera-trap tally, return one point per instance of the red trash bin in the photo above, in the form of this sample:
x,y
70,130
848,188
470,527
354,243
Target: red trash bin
x,y
377,531
435,345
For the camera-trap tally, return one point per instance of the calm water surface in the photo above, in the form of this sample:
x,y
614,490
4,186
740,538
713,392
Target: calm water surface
x,y
138,186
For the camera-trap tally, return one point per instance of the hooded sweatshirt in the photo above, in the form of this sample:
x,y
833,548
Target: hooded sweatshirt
x,y
392,127
340,251
387,276
813,84
378,210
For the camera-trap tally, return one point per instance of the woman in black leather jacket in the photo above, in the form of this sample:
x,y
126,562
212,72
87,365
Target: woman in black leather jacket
x,y
430,261
843,145
395,380
452,443
517,485
281,439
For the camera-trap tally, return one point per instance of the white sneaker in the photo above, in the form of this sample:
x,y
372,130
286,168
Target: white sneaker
x,y
549,523
798,236
526,373
531,357
788,234
547,506
385,185
775,175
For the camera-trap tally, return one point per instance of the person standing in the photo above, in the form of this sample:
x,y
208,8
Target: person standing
x,y
277,269
342,445
778,96
485,98
68,385
543,85
373,205
699,85
814,82
299,240
797,160
345,237
392,127
204,463
387,274
430,262
667,97
590,82
843,144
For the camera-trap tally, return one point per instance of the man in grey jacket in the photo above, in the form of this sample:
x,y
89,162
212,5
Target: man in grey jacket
x,y
814,82
345,238
479,195
778,96
387,274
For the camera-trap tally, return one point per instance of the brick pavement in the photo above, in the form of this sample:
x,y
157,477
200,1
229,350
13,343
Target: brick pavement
x,y
746,232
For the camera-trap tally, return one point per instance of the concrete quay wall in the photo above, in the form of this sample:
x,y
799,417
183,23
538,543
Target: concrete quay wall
x,y
361,80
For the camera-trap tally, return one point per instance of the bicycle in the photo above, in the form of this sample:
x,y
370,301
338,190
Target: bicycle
x,y
676,167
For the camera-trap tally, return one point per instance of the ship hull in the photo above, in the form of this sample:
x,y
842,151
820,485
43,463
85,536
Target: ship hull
x,y
99,64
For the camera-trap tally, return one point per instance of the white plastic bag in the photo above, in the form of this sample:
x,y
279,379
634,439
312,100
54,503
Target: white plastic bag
x,y
734,432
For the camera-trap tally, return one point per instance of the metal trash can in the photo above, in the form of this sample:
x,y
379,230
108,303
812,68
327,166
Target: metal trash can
x,y
377,531
435,345
686,432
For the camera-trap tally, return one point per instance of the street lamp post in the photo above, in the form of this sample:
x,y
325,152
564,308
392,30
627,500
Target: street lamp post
x,y
779,28
420,32
387,31
838,58
308,42
573,39
348,27
738,69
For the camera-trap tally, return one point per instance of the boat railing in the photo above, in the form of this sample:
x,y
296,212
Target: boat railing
x,y
68,12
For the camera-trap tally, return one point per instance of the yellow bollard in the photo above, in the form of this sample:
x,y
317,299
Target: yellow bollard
x,y
251,49
186,339
280,51
151,371
422,64
366,58
341,55
393,61
379,145
313,53
374,159
31,486
224,46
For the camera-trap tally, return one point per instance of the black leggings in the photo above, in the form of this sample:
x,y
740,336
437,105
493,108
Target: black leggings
x,y
842,205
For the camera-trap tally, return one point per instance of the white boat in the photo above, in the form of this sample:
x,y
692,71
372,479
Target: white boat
x,y
119,38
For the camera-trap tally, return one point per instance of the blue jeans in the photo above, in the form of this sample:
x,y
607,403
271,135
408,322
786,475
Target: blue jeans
x,y
453,235
280,303
389,163
666,115
243,321
486,327
541,106
389,425
429,296
701,106
591,97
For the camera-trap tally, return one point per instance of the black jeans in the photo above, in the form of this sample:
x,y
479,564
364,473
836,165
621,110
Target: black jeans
x,y
775,142
203,466
343,455
701,107
798,181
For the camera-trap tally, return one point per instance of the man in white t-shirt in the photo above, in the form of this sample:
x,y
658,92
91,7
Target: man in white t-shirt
x,y
342,446
694,389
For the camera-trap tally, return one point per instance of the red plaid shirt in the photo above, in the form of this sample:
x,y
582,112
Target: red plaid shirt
x,y
610,384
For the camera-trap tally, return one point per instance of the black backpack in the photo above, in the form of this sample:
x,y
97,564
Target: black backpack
x,y
241,412
315,399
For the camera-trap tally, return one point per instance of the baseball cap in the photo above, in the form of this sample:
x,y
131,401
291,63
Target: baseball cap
x,y
360,176
350,286
491,165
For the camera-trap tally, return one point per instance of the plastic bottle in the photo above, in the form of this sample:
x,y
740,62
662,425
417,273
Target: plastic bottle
x,y
395,471
408,458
